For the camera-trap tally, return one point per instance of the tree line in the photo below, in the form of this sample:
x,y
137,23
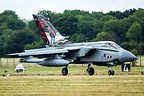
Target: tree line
x,y
125,28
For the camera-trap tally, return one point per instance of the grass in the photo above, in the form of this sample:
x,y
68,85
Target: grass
x,y
72,85
47,81
73,70
9,65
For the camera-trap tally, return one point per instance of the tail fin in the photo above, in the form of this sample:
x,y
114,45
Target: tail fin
x,y
49,34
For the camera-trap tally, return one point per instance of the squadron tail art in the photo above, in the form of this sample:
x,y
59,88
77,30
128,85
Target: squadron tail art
x,y
49,34
102,53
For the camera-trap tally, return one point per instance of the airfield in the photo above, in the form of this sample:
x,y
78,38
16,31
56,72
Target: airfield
x,y
101,85
48,81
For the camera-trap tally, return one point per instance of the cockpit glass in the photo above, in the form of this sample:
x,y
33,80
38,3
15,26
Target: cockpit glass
x,y
117,46
113,45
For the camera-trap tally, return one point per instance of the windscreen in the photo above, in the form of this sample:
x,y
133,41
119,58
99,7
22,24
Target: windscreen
x,y
113,45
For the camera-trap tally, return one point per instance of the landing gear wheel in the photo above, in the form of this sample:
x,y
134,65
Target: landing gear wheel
x,y
90,71
110,72
64,71
113,72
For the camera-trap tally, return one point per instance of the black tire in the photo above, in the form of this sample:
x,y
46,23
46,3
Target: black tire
x,y
64,71
91,71
110,72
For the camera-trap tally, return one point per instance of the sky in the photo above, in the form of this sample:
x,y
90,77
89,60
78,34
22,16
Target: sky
x,y
25,8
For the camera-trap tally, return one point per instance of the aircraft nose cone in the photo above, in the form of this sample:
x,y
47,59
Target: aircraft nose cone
x,y
128,56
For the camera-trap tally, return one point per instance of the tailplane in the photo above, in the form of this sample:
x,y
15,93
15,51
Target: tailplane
x,y
49,33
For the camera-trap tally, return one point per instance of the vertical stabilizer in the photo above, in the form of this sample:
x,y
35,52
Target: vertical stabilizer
x,y
49,33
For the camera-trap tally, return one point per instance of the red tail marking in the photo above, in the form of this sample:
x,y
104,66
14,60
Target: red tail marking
x,y
40,25
43,35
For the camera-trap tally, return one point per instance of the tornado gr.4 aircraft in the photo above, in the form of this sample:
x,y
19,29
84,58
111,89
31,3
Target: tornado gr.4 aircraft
x,y
60,52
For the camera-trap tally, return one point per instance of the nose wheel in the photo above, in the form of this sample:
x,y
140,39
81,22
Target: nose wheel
x,y
90,70
65,71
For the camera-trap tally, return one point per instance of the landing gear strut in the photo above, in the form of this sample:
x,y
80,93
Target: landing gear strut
x,y
90,70
65,71
110,72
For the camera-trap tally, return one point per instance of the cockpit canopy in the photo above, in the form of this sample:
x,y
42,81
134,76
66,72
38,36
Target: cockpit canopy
x,y
110,44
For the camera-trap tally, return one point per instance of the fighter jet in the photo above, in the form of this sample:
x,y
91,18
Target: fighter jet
x,y
60,52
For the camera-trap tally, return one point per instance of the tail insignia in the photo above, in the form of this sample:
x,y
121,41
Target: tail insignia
x,y
49,34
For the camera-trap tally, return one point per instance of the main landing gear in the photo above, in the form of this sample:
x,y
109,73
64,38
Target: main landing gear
x,y
110,72
90,70
65,71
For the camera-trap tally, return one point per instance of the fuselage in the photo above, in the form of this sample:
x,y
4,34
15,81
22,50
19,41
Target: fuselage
x,y
99,53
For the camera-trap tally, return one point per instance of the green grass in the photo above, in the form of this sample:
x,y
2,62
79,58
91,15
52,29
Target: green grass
x,y
47,81
101,85
73,70
9,65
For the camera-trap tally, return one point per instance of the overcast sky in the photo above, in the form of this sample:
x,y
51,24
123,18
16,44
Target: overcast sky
x,y
25,8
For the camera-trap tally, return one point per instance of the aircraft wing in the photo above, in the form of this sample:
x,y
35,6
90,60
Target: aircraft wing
x,y
46,52
43,52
